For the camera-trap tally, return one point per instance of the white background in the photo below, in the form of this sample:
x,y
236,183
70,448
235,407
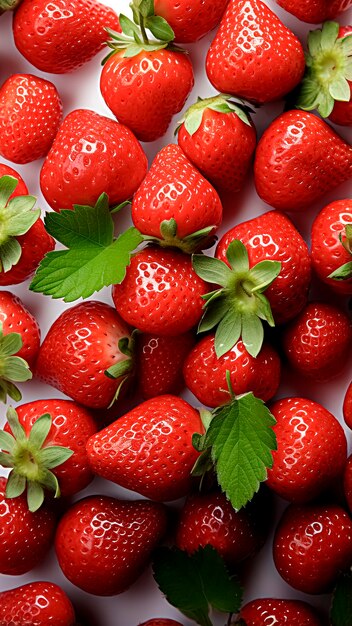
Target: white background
x,y
81,90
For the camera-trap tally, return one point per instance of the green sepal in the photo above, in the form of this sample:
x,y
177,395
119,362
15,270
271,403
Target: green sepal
x,y
345,271
195,242
341,606
15,485
222,103
8,5
13,369
119,369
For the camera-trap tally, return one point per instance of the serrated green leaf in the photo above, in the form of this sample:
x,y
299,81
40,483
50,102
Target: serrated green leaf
x,y
341,608
52,456
10,254
40,430
35,496
160,28
263,274
342,273
227,333
237,256
340,89
193,121
252,334
329,35
128,27
211,270
15,485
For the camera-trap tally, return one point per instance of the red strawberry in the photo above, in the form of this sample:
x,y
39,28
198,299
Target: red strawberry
x,y
279,612
103,544
190,20
299,159
37,604
317,11
317,343
91,154
83,356
30,115
176,203
161,293
15,318
311,449
348,482
25,537
205,373
60,38
347,406
218,137
159,361
254,56
149,450
312,545
161,622
21,189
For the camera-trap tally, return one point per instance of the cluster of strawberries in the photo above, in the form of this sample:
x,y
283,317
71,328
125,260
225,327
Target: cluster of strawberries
x,y
164,288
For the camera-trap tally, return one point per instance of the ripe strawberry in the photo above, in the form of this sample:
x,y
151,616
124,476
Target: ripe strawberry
x,y
312,545
348,482
91,154
218,137
159,621
317,11
30,115
190,21
60,38
205,373
331,247
175,203
25,537
279,612
86,355
311,449
103,544
15,318
298,159
37,604
149,449
161,293
347,406
254,56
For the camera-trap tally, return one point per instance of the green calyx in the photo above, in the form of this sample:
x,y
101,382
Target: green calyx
x,y
197,241
238,308
345,271
223,103
328,70
124,369
13,369
8,5
30,460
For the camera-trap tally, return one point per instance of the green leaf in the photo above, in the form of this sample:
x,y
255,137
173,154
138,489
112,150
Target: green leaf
x,y
309,94
35,496
329,35
10,254
52,456
227,333
10,344
40,430
145,7
211,270
132,50
342,273
263,274
15,485
15,426
16,369
213,314
7,441
193,121
341,608
50,482
340,89
128,27
314,42
8,388
252,334
237,256
326,104
6,460
160,28
8,185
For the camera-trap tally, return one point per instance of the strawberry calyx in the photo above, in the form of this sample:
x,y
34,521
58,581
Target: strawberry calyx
x,y
345,271
30,459
222,103
239,307
8,5
123,369
13,369
195,242
328,70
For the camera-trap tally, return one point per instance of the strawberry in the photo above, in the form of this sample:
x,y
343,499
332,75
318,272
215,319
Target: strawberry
x,y
25,537
149,449
348,482
347,406
159,361
30,115
176,203
91,154
317,343
205,373
37,604
218,137
86,354
311,449
254,56
299,158
317,11
190,21
312,545
332,246
161,293
279,612
60,38
108,537
144,82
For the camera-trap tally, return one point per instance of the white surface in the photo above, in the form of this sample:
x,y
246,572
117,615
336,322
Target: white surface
x,y
81,89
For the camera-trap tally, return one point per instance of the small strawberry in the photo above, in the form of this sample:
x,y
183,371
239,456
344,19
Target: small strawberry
x,y
299,158
279,612
86,354
190,21
312,545
348,482
311,449
103,544
91,154
218,137
59,38
254,56
347,406
149,450
317,11
30,115
36,604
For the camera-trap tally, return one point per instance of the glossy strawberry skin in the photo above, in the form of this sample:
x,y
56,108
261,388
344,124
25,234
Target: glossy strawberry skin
x,y
21,189
149,449
103,544
173,188
348,482
25,537
315,11
30,115
205,373
190,19
91,154
16,318
299,158
76,29
38,604
279,612
347,406
328,253
145,91
80,345
272,236
311,449
161,293
238,65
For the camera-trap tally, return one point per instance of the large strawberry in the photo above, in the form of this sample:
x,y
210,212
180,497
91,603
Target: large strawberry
x,y
254,55
298,159
190,20
315,11
149,449
348,482
38,604
279,612
91,154
103,544
60,38
347,406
